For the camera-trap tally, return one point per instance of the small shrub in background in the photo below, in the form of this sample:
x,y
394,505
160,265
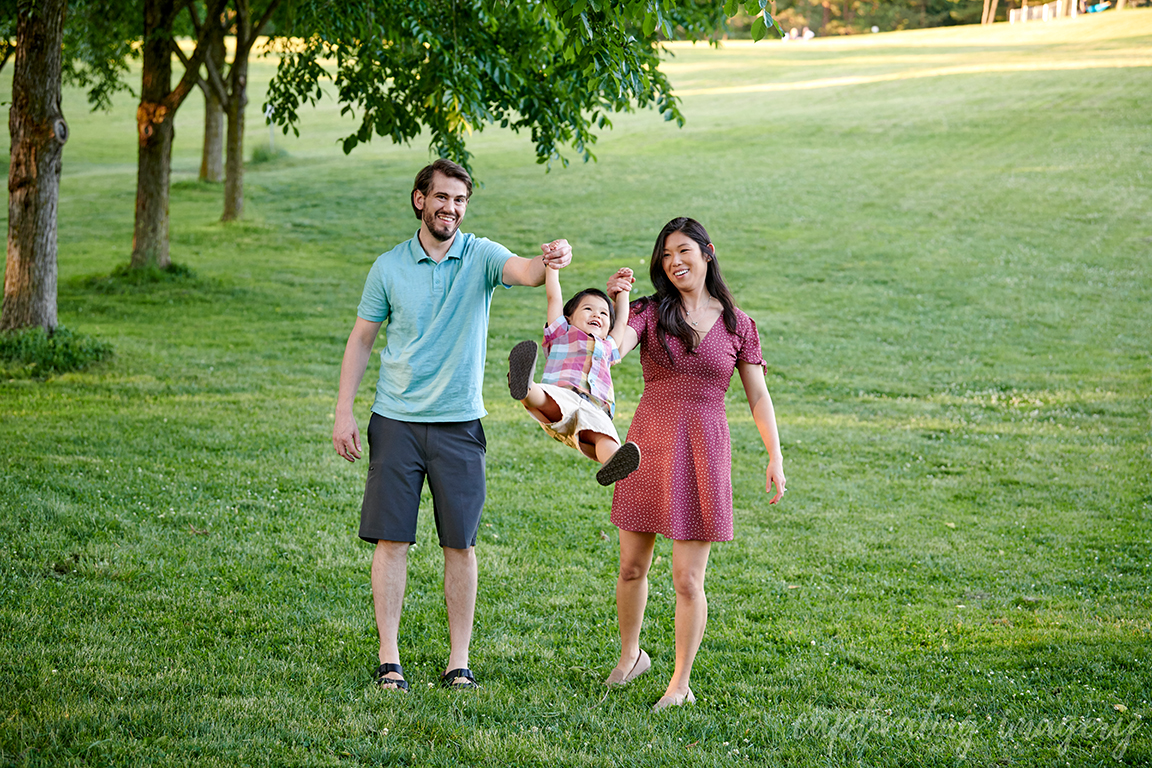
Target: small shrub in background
x,y
126,279
263,153
35,353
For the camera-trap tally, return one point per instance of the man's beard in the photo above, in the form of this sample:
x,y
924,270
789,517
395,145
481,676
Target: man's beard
x,y
439,230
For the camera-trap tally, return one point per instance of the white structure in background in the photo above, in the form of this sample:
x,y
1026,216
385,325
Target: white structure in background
x,y
1044,12
271,133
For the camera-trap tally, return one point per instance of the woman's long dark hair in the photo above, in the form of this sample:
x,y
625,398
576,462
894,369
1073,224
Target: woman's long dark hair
x,y
670,319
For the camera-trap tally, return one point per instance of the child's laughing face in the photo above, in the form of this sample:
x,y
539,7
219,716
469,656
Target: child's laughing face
x,y
591,316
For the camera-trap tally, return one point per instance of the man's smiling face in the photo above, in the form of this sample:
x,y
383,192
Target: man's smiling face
x,y
442,209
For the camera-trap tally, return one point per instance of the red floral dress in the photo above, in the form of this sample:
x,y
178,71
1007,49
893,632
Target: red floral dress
x,y
683,488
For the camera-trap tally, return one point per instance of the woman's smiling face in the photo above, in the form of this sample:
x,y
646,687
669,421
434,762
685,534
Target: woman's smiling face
x,y
683,262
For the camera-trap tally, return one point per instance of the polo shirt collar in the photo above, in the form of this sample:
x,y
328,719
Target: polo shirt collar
x,y
455,251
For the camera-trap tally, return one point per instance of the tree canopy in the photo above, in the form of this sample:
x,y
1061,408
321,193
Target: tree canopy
x,y
554,68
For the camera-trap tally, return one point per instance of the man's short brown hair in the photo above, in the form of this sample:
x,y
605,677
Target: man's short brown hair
x,y
423,181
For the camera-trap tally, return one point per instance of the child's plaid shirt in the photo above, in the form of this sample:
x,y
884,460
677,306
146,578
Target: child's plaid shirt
x,y
568,349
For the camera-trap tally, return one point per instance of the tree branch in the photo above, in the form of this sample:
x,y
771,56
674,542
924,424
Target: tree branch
x,y
191,6
216,81
180,54
192,68
267,17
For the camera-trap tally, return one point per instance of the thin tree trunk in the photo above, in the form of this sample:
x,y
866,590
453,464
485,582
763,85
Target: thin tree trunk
x,y
212,159
992,12
158,104
154,126
984,13
38,132
234,176
247,31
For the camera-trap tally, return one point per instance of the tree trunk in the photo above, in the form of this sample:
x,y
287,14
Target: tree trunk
x,y
154,125
38,133
212,159
234,177
827,17
992,11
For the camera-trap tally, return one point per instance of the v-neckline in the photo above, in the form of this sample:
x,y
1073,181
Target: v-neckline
x,y
707,333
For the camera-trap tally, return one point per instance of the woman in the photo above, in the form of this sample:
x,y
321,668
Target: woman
x,y
691,338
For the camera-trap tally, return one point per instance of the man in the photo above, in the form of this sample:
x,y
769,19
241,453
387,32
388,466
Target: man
x,y
434,291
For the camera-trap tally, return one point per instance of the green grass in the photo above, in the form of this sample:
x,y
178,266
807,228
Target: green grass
x,y
950,276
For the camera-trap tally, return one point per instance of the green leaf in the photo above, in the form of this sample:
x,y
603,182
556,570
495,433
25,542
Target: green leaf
x,y
649,24
775,24
731,7
758,28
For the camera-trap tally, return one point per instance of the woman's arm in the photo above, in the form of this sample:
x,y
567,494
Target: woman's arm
x,y
555,297
621,300
765,417
620,284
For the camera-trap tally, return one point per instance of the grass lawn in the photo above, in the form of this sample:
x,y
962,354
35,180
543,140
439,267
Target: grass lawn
x,y
944,237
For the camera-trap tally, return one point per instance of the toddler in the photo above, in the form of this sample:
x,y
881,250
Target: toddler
x,y
574,402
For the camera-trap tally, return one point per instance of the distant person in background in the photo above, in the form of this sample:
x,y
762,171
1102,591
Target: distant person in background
x,y
692,338
808,34
434,292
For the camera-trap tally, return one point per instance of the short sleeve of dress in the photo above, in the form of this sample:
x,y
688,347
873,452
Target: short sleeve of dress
x,y
639,315
749,342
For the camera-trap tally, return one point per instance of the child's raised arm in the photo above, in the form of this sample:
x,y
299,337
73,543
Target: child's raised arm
x,y
621,299
552,290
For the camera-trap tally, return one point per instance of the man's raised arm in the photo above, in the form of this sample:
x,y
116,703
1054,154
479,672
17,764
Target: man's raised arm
x,y
530,272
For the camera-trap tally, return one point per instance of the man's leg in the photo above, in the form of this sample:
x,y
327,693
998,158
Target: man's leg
x,y
388,518
389,577
456,479
460,574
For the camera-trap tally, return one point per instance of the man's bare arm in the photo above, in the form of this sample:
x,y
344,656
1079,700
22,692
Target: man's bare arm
x,y
345,433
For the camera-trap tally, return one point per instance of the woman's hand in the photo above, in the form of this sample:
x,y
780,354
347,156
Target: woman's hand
x,y
621,281
775,475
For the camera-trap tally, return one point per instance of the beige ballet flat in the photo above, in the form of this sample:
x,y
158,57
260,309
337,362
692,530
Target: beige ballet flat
x,y
642,665
670,701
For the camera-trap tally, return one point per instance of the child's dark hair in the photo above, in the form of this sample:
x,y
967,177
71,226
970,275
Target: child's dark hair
x,y
574,302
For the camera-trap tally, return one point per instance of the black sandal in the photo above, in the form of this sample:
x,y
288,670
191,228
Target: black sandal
x,y
624,462
521,369
400,683
448,679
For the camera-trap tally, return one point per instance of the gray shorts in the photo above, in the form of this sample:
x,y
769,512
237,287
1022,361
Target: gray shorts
x,y
400,455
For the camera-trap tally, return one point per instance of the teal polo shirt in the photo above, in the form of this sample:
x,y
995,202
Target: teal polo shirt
x,y
432,367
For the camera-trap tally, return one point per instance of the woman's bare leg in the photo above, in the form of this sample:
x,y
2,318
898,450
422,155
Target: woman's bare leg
x,y
689,561
632,593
